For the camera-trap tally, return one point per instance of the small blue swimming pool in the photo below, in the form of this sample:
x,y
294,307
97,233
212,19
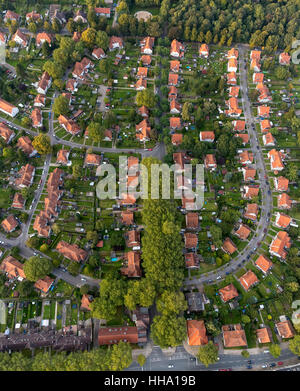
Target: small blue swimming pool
x,y
114,259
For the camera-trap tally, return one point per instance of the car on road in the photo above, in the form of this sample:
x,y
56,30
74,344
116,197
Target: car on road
x,y
249,366
264,366
170,366
219,277
280,363
227,273
83,279
209,281
269,214
249,362
265,230
150,149
272,364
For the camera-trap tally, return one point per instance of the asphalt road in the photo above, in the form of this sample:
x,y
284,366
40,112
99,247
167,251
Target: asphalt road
x,y
183,361
266,203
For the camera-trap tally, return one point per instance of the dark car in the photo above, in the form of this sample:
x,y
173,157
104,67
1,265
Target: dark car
x,y
249,362
249,367
269,214
265,230
272,364
227,273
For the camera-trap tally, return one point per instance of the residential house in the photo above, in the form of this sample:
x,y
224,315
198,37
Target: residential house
x,y
258,77
6,133
280,244
228,246
142,72
281,183
207,136
43,37
265,125
177,49
173,79
18,201
263,111
11,15
98,53
13,268
20,38
284,59
196,333
204,51
107,135
239,125
284,201
71,85
175,107
176,139
282,220
175,66
44,83
143,111
172,93
91,159
80,17
41,225
8,108
3,37
9,224
248,174
246,157
69,125
59,16
192,220
231,78
264,264
132,268
251,212
268,140
25,176
146,60
127,217
71,251
44,284
276,160
191,261
244,137
86,301
25,144
116,43
180,158
232,53
250,191
141,84
234,336
34,16
143,131
36,118
255,66
113,335
210,162
39,100
234,91
234,110
63,157
133,238
264,335
175,123
232,65
147,45
190,241
248,280
100,11
227,293
255,55
242,232
285,329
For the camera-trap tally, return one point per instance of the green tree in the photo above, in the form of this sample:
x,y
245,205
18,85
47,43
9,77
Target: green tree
x,y
171,303
245,319
145,98
168,331
76,171
73,268
245,353
89,37
120,356
294,345
36,268
275,350
61,106
41,143
141,359
186,109
96,131
102,40
208,354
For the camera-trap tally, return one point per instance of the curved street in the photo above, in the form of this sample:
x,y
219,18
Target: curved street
x,y
265,191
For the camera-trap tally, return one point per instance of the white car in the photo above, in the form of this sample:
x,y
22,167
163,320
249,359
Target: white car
x,y
219,278
264,366
170,366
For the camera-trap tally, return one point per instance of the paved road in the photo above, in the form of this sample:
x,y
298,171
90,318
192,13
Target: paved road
x,y
266,203
183,361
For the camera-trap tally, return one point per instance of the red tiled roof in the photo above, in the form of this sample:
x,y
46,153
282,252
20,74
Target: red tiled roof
x,y
228,292
196,332
248,279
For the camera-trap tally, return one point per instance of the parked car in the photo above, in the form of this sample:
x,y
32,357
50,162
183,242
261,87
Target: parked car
x,y
280,363
249,367
264,366
272,364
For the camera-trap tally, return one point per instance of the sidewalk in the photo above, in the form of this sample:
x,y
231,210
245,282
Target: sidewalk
x,y
146,351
